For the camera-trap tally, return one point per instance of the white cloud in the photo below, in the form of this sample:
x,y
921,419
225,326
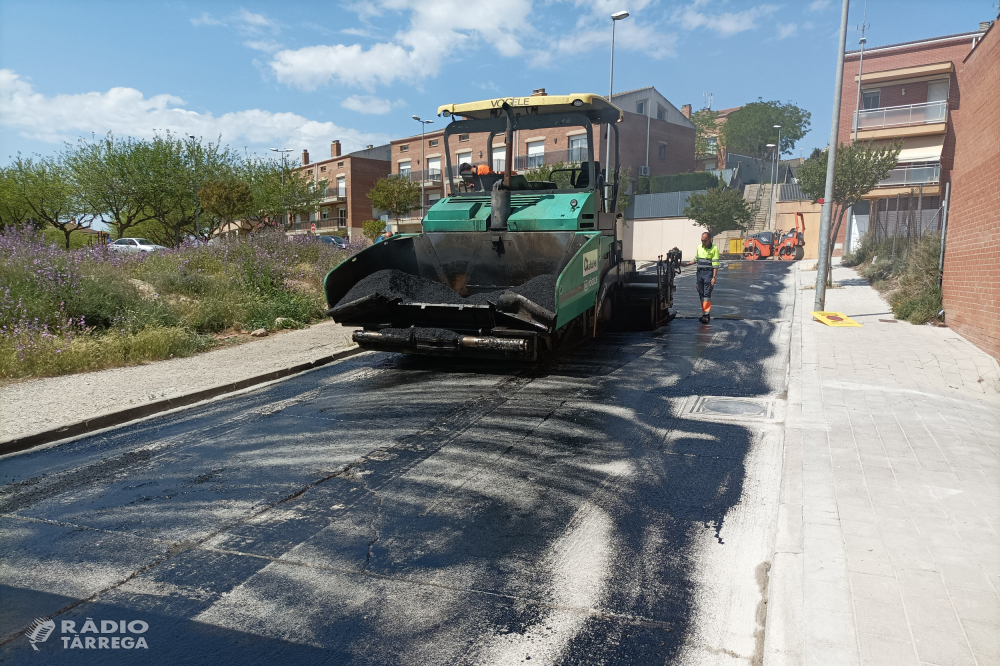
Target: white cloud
x,y
265,45
726,23
254,24
786,30
246,22
819,5
126,111
435,31
206,19
356,32
370,104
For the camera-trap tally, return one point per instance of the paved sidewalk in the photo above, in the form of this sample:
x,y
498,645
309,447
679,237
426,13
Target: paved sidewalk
x,y
42,404
887,549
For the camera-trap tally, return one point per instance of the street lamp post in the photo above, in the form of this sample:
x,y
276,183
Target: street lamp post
x,y
861,72
284,211
617,16
770,199
777,156
423,162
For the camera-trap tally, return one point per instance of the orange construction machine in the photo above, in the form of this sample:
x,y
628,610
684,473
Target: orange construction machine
x,y
786,246
791,247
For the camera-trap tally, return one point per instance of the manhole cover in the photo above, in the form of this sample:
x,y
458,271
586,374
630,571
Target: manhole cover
x,y
727,408
734,407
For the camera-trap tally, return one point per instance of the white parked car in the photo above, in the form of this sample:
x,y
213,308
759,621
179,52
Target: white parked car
x,y
131,245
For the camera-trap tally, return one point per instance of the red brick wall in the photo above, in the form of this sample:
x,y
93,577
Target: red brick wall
x,y
362,174
972,256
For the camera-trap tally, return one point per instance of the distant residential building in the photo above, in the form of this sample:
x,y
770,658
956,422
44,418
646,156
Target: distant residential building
x,y
349,178
714,157
655,139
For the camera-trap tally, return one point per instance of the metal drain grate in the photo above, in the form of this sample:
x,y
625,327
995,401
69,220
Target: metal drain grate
x,y
731,409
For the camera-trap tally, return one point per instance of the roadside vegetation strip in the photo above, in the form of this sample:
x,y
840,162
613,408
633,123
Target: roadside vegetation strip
x,y
87,309
906,273
132,413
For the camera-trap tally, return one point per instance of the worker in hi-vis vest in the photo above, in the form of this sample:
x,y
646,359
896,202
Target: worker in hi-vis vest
x,y
707,258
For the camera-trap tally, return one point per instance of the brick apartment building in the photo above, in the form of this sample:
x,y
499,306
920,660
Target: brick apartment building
x,y
349,178
971,281
655,137
910,92
939,96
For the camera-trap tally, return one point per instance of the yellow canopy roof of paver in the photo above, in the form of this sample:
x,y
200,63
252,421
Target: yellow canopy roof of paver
x,y
537,104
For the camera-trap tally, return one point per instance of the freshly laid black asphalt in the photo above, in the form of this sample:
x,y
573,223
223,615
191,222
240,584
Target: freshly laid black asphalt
x,y
393,283
392,509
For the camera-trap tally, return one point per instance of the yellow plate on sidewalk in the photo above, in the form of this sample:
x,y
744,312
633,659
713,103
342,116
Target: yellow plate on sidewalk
x,y
835,319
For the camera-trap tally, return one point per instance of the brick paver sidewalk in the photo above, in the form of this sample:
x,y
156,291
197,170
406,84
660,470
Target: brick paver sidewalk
x,y
887,549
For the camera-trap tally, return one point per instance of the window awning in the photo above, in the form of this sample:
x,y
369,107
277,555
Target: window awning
x,y
922,148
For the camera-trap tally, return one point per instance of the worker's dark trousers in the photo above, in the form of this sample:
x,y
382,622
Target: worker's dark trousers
x,y
703,280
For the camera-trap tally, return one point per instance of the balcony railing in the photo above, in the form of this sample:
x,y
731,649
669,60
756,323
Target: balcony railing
x,y
892,116
336,193
917,174
428,176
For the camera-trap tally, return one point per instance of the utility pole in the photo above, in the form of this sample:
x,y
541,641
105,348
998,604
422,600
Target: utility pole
x,y
823,261
861,71
617,16
423,163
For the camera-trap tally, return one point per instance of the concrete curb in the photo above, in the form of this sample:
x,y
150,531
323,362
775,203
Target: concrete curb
x,y
120,417
783,632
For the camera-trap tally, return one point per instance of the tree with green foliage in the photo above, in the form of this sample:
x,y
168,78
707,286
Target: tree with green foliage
x,y
398,196
225,201
372,229
749,129
14,210
860,168
705,127
301,193
720,209
109,174
46,187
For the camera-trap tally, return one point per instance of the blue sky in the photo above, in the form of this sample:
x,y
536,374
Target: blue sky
x,y
300,74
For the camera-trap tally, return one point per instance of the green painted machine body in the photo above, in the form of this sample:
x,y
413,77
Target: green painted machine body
x,y
529,211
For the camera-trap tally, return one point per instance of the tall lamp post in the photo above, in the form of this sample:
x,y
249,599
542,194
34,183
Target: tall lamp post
x,y
617,16
423,162
770,200
777,157
284,211
861,72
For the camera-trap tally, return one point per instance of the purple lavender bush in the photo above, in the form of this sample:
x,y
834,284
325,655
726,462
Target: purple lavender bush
x,y
66,311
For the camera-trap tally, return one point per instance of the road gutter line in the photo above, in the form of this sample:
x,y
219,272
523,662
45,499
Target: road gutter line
x,y
783,628
66,433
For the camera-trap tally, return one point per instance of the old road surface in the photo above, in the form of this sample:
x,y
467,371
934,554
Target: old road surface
x,y
614,506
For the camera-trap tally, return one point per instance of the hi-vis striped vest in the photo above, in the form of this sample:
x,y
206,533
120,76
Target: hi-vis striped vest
x,y
707,259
